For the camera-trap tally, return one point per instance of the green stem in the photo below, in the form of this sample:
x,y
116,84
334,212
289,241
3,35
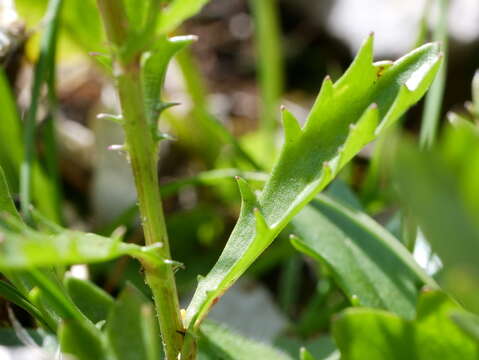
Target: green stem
x,y
143,155
433,104
269,63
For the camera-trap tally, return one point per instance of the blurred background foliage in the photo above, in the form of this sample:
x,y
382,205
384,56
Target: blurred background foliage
x,y
251,57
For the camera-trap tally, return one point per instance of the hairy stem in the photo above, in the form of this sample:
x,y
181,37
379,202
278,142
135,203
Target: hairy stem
x,y
143,153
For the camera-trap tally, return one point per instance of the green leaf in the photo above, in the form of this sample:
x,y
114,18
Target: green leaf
x,y
8,337
155,64
362,333
129,333
82,25
9,293
367,262
320,348
178,11
217,342
440,190
25,248
11,151
305,354
81,341
468,322
6,202
92,301
346,116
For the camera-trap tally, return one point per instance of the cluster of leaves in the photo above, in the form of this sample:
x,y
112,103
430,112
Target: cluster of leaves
x,y
388,314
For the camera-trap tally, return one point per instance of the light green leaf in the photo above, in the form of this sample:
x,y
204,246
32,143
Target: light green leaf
x,y
92,301
25,248
362,333
366,261
218,342
11,151
177,12
126,327
346,116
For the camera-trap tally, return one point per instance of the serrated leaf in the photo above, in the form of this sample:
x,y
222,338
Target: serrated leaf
x,y
362,333
154,66
292,129
218,342
92,301
126,326
24,248
364,258
177,12
308,164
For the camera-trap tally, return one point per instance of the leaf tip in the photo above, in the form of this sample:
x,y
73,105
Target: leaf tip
x,y
247,194
292,129
261,224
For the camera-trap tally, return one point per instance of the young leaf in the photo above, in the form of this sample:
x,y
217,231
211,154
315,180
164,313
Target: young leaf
x,y
367,262
92,301
126,327
342,120
218,342
362,333
154,68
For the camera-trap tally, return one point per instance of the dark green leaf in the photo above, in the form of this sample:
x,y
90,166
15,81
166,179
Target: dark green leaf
x,y
219,343
92,301
128,333
367,262
79,340
11,294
